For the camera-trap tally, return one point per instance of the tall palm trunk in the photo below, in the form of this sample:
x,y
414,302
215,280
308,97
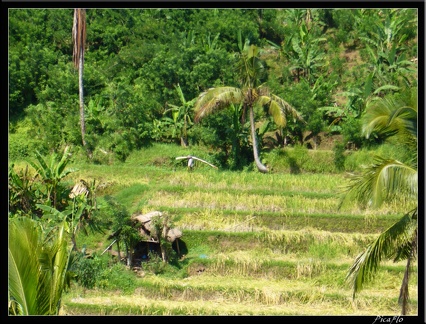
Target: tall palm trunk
x,y
79,38
260,166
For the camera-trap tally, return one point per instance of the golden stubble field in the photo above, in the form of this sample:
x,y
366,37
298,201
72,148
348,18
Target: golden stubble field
x,y
258,244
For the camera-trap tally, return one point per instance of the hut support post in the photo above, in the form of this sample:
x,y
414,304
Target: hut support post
x,y
177,246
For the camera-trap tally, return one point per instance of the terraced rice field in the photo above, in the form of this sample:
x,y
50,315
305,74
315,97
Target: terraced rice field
x,y
255,244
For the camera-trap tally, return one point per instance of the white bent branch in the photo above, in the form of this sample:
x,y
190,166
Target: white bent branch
x,y
191,157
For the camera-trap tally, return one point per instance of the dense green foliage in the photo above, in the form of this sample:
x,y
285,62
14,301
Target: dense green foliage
x,y
149,74
326,63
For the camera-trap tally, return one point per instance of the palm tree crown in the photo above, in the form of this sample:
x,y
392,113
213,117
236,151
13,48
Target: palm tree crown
x,y
250,68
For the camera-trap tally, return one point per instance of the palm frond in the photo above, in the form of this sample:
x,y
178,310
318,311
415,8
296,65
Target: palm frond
x,y
389,117
23,266
56,265
382,181
366,263
279,109
407,118
216,99
408,249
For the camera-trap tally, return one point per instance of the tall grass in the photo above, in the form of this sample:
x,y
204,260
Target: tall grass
x,y
257,244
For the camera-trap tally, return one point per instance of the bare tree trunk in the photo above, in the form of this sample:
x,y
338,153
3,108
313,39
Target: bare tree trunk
x,y
129,253
79,39
403,292
262,168
183,142
80,90
163,253
118,250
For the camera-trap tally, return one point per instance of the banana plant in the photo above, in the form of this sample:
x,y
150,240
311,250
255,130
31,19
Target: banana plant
x,y
357,99
78,216
51,173
181,117
209,44
308,56
22,194
385,47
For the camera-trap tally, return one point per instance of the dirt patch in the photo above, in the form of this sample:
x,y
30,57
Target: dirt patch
x,y
352,58
322,141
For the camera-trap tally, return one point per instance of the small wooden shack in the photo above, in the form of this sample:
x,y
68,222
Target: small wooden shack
x,y
171,234
149,240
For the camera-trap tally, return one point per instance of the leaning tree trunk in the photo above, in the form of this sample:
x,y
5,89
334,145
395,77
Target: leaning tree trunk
x,y
262,168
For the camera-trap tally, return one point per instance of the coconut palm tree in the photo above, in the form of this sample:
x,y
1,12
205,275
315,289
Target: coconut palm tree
x,y
250,94
37,267
382,181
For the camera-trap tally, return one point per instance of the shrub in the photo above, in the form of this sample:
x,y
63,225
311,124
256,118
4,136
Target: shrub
x,y
155,263
117,276
101,272
22,147
339,156
88,270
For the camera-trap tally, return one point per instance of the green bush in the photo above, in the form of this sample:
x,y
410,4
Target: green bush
x,y
102,272
117,276
355,160
339,156
155,263
22,147
300,159
89,270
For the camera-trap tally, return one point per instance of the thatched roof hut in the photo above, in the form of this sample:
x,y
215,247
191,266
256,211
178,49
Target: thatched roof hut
x,y
149,240
146,229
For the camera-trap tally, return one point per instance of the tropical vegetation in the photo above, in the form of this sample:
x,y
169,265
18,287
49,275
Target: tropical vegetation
x,y
391,117
181,82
